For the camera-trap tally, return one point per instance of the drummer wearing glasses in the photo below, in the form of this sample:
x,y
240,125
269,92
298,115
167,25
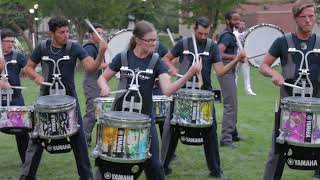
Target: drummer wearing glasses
x,y
139,55
8,40
303,40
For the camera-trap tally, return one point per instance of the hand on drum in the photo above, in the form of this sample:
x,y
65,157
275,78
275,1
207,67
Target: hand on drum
x,y
39,80
4,84
277,79
196,67
105,91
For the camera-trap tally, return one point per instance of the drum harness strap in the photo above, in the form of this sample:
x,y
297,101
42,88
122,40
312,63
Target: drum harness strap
x,y
124,80
289,67
45,68
185,64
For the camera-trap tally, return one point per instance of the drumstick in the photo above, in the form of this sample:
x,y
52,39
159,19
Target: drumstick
x,y
195,47
119,91
33,41
256,56
93,29
293,86
170,35
18,87
179,75
46,84
1,52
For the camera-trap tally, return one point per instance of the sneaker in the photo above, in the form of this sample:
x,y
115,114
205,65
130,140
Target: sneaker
x,y
229,145
218,175
249,92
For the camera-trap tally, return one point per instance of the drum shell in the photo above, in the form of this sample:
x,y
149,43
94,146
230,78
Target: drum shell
x,y
193,108
123,140
161,105
102,105
15,117
56,121
300,121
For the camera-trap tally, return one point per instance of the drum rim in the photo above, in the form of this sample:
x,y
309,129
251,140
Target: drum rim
x,y
104,99
16,108
159,98
52,106
122,160
65,108
252,29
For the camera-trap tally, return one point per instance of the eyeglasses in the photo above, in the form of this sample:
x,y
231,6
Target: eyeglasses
x,y
8,41
149,40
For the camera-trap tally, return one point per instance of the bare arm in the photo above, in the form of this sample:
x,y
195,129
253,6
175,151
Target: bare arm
x,y
222,69
266,70
30,71
168,87
103,81
168,60
92,65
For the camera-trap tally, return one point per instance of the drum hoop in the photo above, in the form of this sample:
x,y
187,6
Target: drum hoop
x,y
122,160
59,136
175,122
288,103
261,25
46,109
119,32
103,99
159,98
130,124
37,105
16,108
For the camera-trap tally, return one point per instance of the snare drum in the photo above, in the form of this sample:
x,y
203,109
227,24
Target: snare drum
x,y
15,118
193,108
161,105
123,137
55,117
300,121
102,105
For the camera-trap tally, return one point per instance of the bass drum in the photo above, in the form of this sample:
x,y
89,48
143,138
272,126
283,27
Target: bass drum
x,y
118,43
258,40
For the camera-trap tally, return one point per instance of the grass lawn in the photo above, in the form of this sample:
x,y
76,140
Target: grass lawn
x,y
255,122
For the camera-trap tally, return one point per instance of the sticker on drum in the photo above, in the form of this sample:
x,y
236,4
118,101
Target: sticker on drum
x,y
55,117
161,105
300,121
15,118
102,105
258,40
123,137
193,108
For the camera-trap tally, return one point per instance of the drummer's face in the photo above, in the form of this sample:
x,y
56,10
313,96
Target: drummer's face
x,y
61,35
148,41
95,37
7,44
201,33
234,21
306,20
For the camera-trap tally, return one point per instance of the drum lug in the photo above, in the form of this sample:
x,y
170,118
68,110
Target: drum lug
x,y
280,138
34,134
96,151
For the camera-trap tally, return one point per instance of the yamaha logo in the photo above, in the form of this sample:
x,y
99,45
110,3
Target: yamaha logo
x,y
290,161
107,175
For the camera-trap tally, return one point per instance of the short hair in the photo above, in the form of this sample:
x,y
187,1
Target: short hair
x,y
95,25
300,5
229,14
57,22
202,21
6,32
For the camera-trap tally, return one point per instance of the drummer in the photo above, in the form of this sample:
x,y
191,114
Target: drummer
x,y
201,30
90,86
304,40
56,47
8,40
141,48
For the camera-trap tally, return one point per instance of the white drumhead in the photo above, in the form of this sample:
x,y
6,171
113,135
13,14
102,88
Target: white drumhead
x,y
258,40
118,43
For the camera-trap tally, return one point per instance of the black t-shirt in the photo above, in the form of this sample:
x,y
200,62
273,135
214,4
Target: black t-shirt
x,y
207,61
279,48
14,71
146,81
67,67
162,51
92,51
228,39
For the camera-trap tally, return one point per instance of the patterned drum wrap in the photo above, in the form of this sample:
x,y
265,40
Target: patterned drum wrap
x,y
55,116
161,105
123,137
300,121
102,105
15,117
193,108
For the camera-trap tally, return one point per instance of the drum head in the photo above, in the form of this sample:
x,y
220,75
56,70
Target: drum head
x,y
118,43
52,101
258,40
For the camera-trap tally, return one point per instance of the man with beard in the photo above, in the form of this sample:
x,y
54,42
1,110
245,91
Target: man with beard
x,y
228,49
